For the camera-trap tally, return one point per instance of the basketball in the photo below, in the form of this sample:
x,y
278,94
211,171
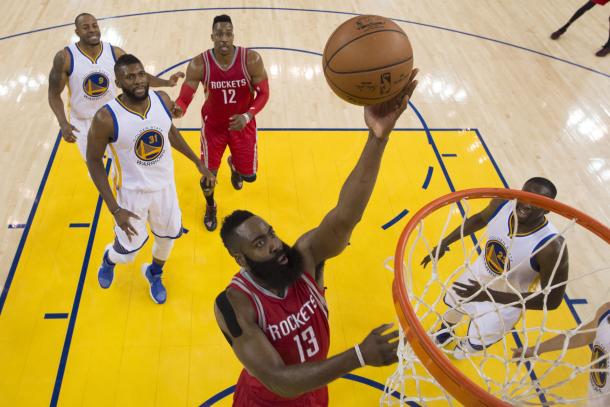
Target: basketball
x,y
367,60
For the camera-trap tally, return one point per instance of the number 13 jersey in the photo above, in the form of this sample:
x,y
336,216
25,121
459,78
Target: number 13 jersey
x,y
296,326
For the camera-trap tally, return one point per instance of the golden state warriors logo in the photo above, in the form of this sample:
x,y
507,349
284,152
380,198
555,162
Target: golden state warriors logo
x,y
600,367
496,257
149,145
96,84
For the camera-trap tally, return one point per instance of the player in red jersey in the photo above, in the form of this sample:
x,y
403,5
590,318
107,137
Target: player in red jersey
x,y
235,82
274,314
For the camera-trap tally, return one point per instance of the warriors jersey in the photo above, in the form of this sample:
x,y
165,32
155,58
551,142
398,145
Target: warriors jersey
x,y
296,326
91,80
228,90
599,385
507,250
140,147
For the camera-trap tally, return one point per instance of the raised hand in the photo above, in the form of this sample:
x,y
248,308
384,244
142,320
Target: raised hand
x,y
441,252
173,80
379,349
525,354
381,118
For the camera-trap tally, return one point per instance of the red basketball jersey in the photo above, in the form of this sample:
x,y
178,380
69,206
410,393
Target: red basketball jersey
x,y
296,326
228,91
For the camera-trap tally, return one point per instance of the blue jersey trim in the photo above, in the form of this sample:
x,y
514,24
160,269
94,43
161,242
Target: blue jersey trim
x,y
533,263
182,231
113,55
115,136
119,248
71,61
163,104
604,316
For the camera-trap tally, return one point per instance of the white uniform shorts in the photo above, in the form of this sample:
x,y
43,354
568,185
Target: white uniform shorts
x,y
82,125
160,209
489,321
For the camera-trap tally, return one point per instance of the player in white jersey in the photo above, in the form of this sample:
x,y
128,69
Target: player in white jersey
x,y
87,67
137,129
505,249
597,333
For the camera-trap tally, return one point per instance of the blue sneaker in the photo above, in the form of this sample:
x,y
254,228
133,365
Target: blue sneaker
x,y
157,290
105,274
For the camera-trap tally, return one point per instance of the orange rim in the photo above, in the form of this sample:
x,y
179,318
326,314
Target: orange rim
x,y
444,371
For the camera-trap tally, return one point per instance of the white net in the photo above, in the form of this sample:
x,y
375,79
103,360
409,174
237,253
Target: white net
x,y
478,318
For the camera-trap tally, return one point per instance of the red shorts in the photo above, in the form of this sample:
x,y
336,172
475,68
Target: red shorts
x,y
600,2
242,144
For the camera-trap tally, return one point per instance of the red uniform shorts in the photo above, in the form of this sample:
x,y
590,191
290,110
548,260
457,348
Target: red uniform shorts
x,y
242,145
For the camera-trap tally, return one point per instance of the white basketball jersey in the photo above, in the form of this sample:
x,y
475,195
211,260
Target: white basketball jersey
x,y
599,386
140,149
498,249
91,81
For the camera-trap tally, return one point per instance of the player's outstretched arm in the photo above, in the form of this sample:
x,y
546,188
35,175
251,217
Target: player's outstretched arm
x,y
255,352
100,134
332,235
584,336
472,224
154,81
194,75
58,77
548,260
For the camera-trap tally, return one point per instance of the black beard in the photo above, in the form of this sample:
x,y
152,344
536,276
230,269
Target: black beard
x,y
278,276
131,95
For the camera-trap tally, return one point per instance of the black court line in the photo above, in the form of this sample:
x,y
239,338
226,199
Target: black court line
x,y
16,225
56,315
79,225
77,297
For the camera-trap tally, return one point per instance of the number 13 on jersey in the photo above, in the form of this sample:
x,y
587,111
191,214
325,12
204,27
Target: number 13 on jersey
x,y
307,338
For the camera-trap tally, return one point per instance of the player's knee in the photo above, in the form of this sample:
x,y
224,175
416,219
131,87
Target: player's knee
x,y
162,247
117,254
248,178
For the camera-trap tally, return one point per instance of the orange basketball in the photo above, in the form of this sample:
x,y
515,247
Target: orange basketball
x,y
367,60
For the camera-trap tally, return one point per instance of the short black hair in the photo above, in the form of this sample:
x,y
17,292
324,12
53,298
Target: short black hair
x,y
124,60
544,183
232,222
223,18
82,15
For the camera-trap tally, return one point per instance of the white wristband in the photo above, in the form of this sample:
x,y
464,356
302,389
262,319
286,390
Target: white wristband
x,y
359,354
247,117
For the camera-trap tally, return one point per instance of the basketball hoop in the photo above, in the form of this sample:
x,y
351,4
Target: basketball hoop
x,y
416,305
